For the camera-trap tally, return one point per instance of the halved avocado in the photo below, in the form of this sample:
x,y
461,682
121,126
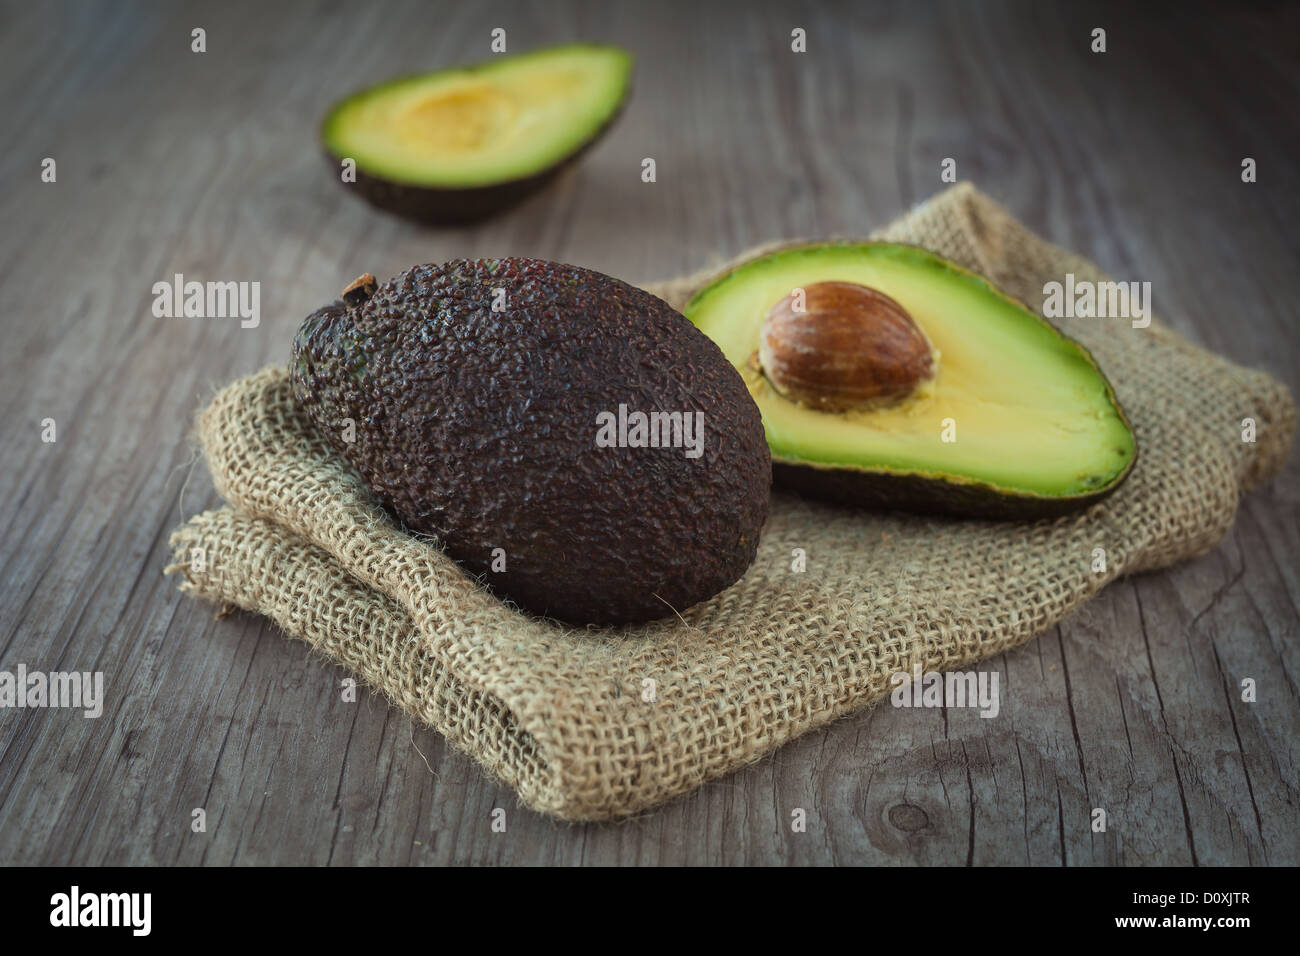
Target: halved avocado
x,y
461,144
1033,428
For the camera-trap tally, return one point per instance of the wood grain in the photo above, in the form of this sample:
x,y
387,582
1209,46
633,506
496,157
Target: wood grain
x,y
207,165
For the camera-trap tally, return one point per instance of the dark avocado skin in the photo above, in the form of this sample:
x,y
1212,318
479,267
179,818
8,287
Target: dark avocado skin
x,y
929,495
450,207
478,427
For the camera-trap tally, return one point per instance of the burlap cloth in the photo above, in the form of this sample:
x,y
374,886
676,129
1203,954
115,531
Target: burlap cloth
x,y
570,718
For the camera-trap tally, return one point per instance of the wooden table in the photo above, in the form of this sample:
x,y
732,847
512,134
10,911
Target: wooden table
x,y
170,161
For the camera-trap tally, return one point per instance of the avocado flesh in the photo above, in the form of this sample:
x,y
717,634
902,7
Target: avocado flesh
x,y
1037,425
475,414
470,140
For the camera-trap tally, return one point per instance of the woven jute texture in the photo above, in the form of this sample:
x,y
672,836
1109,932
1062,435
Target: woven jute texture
x,y
567,717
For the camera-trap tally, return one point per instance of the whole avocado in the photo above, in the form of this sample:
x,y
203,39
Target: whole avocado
x,y
477,390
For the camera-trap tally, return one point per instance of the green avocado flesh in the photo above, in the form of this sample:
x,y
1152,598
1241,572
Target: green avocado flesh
x,y
1035,420
503,120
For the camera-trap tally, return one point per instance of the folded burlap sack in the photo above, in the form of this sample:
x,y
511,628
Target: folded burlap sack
x,y
591,724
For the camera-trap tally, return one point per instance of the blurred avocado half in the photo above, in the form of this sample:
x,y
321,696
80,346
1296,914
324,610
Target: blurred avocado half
x,y
459,145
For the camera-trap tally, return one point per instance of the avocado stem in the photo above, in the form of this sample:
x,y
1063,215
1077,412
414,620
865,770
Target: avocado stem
x,y
359,290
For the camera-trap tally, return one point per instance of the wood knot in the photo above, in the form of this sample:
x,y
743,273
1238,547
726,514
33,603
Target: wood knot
x,y
908,817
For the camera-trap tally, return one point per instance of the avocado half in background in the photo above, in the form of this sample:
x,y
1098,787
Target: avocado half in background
x,y
458,145
864,357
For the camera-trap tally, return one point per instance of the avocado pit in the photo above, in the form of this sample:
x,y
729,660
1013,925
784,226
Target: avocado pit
x,y
849,347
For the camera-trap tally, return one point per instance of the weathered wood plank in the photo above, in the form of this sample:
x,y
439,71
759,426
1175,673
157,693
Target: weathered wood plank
x,y
206,165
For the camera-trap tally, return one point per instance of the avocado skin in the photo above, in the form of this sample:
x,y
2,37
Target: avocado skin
x,y
478,427
922,494
450,207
